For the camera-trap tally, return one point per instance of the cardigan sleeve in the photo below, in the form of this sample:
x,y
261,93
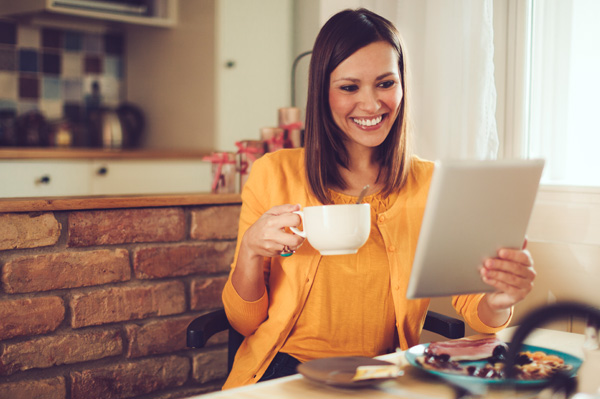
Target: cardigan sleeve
x,y
244,316
466,306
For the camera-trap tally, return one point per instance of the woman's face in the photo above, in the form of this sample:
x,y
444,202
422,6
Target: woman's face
x,y
365,94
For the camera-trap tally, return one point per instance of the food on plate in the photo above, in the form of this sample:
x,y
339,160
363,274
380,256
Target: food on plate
x,y
376,371
468,349
448,357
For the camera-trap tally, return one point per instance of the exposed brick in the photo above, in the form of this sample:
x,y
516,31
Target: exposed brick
x,y
18,230
65,270
55,350
30,316
130,379
51,388
206,293
157,337
110,305
209,366
183,260
215,222
88,228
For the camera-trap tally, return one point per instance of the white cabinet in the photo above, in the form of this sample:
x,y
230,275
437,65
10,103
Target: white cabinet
x,y
150,12
149,176
52,178
217,77
253,67
31,178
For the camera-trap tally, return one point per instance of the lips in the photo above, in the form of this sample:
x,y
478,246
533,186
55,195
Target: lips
x,y
368,122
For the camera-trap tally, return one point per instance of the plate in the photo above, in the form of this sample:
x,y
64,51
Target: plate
x,y
339,371
416,351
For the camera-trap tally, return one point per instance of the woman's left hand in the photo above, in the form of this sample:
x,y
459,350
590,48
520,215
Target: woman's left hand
x,y
511,274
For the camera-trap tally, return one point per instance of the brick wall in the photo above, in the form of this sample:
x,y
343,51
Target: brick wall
x,y
95,304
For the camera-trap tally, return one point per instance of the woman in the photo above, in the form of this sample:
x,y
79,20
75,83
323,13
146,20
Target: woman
x,y
305,306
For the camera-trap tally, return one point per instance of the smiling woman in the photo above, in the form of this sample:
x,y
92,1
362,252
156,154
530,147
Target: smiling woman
x,y
365,94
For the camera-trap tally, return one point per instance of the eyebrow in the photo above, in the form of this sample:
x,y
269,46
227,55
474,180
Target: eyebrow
x,y
385,75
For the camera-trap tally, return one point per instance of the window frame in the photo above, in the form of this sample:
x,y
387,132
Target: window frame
x,y
512,33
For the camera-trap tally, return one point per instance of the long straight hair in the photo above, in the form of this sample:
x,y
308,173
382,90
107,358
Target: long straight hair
x,y
340,37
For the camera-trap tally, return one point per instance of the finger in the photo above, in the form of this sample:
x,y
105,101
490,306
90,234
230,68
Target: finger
x,y
285,208
524,243
522,257
503,280
510,267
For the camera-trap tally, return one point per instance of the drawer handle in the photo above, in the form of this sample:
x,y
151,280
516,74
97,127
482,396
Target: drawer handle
x,y
43,180
102,171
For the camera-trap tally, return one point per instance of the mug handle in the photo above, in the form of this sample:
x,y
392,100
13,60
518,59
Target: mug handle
x,y
294,229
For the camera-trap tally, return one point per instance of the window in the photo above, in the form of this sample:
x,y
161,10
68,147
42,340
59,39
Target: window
x,y
563,83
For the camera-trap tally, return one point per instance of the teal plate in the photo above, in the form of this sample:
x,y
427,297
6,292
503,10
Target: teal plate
x,y
413,353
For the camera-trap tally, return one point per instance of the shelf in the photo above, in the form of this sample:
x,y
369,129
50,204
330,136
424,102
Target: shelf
x,y
89,153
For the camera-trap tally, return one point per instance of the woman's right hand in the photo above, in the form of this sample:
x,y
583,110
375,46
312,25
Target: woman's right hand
x,y
268,237
265,238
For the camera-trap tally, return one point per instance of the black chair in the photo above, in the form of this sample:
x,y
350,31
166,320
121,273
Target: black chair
x,y
207,325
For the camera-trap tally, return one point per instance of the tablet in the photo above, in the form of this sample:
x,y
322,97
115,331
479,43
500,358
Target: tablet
x,y
473,209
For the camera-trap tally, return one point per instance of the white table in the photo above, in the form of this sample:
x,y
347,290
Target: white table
x,y
414,384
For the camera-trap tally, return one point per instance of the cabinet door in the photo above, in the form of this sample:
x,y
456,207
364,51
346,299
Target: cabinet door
x,y
254,58
21,178
121,177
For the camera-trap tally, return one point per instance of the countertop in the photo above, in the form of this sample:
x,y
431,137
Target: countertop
x,y
114,202
96,153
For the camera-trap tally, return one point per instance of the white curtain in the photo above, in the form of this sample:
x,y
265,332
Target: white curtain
x,y
450,54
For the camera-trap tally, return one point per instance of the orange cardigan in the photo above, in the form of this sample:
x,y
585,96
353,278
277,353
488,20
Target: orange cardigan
x,y
278,178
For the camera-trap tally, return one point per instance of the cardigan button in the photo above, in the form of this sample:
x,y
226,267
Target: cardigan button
x,y
381,218
392,248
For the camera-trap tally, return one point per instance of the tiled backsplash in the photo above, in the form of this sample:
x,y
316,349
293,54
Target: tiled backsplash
x,y
53,70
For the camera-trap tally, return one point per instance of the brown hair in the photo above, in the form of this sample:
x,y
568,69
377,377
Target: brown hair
x,y
340,37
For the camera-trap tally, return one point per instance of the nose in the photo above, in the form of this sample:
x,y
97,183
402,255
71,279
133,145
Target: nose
x,y
369,100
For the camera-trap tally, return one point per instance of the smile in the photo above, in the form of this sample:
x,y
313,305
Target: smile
x,y
368,122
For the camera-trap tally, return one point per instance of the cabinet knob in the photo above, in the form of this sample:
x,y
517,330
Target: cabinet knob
x,y
43,180
230,64
102,171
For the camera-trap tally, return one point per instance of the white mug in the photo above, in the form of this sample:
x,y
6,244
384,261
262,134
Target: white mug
x,y
335,229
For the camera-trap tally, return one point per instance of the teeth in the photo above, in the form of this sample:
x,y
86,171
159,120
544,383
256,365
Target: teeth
x,y
368,122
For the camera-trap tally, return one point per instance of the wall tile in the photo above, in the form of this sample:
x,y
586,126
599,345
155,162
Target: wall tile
x,y
8,32
29,87
92,64
52,109
30,54
73,41
8,85
8,60
51,88
72,65
72,90
51,63
52,38
113,44
25,106
92,43
28,36
28,60
113,66
7,104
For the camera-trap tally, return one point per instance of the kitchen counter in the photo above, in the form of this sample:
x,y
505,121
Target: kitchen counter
x,y
8,205
96,153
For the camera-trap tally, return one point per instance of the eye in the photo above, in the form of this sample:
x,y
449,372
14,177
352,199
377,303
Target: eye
x,y
349,88
387,84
